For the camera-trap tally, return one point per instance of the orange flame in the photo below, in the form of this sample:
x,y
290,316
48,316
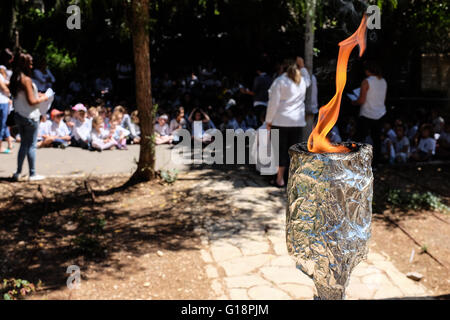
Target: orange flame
x,y
328,114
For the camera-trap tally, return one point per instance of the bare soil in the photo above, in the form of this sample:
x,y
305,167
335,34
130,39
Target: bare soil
x,y
429,228
130,243
138,242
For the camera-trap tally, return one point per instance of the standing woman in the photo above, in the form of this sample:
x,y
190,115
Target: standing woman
x,y
26,100
371,99
6,58
286,111
4,111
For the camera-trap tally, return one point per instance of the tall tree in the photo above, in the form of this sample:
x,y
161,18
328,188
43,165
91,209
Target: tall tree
x,y
140,21
310,17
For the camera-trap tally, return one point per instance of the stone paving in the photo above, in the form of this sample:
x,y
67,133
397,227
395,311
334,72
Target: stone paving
x,y
246,255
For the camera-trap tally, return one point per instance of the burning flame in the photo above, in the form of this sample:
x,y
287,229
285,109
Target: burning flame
x,y
328,114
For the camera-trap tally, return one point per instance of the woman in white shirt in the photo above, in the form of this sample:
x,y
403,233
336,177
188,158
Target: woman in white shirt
x,y
4,112
286,111
6,59
371,99
26,100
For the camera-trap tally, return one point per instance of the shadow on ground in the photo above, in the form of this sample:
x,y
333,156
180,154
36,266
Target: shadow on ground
x,y
47,226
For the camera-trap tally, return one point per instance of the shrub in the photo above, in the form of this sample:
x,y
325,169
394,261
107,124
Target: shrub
x,y
14,289
416,201
169,176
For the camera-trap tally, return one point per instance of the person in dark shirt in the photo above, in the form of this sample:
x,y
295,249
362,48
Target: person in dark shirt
x,y
260,92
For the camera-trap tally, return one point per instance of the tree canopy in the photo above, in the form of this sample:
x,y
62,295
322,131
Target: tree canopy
x,y
231,33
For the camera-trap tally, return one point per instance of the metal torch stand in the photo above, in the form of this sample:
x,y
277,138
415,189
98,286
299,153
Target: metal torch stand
x,y
329,214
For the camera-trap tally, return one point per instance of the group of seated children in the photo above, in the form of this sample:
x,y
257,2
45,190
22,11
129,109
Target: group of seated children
x,y
198,122
419,144
200,125
95,129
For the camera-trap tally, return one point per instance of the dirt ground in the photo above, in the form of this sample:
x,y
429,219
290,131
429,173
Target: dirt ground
x,y
139,242
429,228
134,243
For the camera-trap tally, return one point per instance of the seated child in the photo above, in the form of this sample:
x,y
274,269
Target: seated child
x,y
401,145
100,138
388,131
124,118
57,135
437,121
162,130
240,122
118,133
69,120
102,113
135,129
387,149
82,130
413,127
225,124
229,121
42,130
427,145
444,143
251,119
92,113
179,122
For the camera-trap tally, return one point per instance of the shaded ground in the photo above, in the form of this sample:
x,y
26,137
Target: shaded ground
x,y
111,236
114,234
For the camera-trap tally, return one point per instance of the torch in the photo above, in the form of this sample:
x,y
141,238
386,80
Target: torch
x,y
330,190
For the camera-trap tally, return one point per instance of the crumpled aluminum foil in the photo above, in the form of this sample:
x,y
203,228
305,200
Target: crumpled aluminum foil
x,y
329,214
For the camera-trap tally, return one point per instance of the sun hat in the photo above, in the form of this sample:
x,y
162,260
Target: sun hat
x,y
79,107
55,113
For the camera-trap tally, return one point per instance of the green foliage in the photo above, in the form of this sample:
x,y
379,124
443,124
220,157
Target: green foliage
x,y
79,215
415,201
423,24
14,289
424,248
97,225
59,59
169,176
87,245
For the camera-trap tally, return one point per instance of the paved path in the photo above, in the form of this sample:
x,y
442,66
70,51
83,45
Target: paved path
x,y
76,161
246,254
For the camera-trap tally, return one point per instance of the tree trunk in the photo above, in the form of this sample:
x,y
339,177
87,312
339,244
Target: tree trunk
x,y
13,32
140,18
309,34
309,55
